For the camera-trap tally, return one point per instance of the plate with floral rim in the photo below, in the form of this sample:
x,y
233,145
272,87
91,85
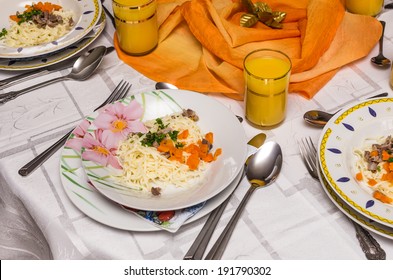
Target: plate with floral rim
x,y
96,206
41,61
104,169
342,136
86,13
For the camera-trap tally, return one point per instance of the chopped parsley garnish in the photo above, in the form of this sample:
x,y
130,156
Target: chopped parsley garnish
x,y
157,137
152,137
160,124
173,135
27,16
3,32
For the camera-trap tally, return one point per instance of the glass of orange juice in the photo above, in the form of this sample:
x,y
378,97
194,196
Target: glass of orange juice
x,y
364,7
136,25
266,74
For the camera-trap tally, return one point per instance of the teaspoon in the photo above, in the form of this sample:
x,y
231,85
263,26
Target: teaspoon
x,y
320,118
380,60
262,170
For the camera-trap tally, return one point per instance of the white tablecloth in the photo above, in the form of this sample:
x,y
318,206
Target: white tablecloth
x,y
291,219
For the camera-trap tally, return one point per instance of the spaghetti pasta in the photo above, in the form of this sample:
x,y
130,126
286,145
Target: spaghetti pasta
x,y
149,168
374,168
25,33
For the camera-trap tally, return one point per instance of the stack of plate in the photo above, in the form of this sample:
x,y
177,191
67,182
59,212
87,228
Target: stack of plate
x,y
89,23
91,188
345,132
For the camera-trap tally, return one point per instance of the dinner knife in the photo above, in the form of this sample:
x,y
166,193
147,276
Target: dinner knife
x,y
68,63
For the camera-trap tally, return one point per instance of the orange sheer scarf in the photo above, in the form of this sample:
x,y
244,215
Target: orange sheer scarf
x,y
202,46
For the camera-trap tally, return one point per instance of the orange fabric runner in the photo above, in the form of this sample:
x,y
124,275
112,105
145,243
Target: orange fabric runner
x,y
202,46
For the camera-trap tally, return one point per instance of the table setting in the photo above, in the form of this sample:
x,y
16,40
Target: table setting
x,y
191,130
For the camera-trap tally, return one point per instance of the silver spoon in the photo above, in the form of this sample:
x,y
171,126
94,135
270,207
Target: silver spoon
x,y
163,85
82,69
263,168
380,60
320,118
199,246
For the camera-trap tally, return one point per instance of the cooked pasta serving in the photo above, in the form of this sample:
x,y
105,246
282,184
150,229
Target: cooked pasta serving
x,y
40,23
374,167
173,153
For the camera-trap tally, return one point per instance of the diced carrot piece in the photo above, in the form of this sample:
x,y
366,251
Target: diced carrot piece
x,y
385,155
382,197
372,182
193,161
209,137
389,176
14,18
359,176
208,158
183,135
217,153
374,153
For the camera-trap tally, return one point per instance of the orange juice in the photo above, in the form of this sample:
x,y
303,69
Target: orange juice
x,y
266,75
364,7
136,25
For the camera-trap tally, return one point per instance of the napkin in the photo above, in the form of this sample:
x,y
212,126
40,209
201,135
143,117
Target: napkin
x,y
202,45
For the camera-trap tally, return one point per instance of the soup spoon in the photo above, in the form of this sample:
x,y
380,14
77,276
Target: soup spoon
x,y
320,118
82,69
262,170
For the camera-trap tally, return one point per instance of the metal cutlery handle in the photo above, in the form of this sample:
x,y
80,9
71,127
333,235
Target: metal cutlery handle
x,y
36,162
219,247
8,96
22,77
199,246
369,245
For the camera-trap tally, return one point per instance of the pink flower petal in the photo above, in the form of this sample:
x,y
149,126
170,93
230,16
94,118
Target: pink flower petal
x,y
96,157
133,111
104,120
75,143
111,140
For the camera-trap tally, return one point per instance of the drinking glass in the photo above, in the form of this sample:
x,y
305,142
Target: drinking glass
x,y
136,25
364,7
266,74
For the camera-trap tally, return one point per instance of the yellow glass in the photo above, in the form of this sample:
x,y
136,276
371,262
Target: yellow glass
x,y
136,25
364,7
266,74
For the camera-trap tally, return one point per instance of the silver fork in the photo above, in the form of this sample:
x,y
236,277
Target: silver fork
x,y
369,245
119,92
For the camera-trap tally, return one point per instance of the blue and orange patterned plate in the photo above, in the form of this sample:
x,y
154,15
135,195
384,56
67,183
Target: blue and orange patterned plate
x,y
343,134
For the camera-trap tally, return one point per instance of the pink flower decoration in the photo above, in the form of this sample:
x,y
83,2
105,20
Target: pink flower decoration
x,y
118,121
98,149
79,132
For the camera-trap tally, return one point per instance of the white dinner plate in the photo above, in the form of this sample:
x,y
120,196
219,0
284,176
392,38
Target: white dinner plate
x,y
357,217
345,132
93,204
86,15
41,61
213,117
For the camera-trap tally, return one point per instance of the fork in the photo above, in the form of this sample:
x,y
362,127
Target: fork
x,y
119,92
369,245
